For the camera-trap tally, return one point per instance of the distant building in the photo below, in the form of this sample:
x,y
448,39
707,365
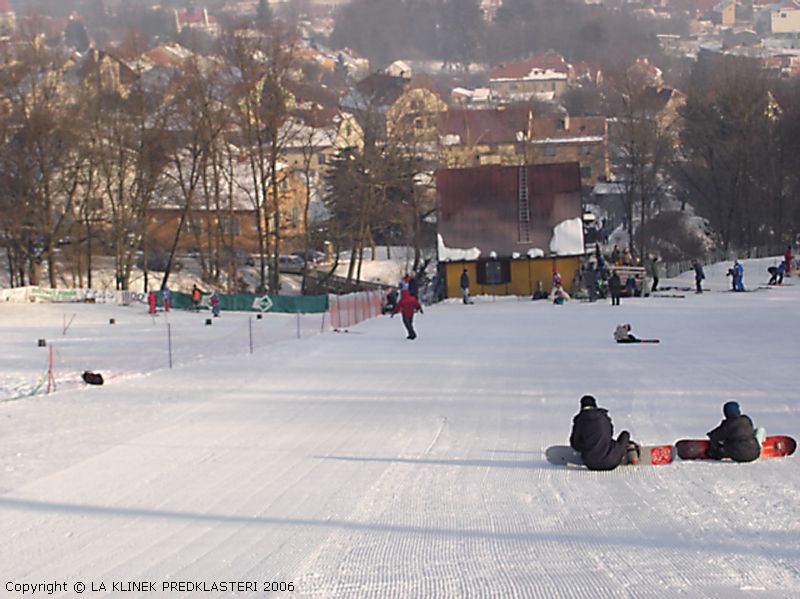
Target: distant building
x,y
785,18
196,20
8,19
543,77
508,226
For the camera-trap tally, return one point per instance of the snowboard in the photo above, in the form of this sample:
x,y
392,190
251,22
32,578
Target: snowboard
x,y
564,455
775,446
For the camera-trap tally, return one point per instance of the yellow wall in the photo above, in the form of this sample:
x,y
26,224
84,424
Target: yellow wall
x,y
525,275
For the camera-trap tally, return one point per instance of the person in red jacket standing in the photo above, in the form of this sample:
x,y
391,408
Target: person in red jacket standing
x,y
407,305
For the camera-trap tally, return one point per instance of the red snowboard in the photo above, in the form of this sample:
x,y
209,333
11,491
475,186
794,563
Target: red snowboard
x,y
776,446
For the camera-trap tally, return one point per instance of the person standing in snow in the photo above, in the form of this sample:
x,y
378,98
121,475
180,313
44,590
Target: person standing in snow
x,y
413,286
787,260
654,273
699,275
195,298
614,288
590,278
738,275
592,437
735,437
465,287
214,304
166,297
407,305
151,301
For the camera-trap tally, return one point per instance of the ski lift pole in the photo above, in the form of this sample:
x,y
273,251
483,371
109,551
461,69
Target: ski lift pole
x,y
250,329
298,325
169,343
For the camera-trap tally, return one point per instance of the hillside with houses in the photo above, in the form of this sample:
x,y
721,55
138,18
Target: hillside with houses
x,y
234,133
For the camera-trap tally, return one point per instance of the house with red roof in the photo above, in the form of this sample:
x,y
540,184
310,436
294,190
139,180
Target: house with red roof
x,y
197,20
544,77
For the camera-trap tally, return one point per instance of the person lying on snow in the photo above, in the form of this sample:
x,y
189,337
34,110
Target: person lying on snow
x,y
735,437
592,437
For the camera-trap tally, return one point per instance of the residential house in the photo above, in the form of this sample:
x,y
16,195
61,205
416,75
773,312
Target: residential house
x,y
197,20
406,109
235,224
509,226
514,135
543,77
8,19
103,72
785,18
663,103
413,116
724,13
489,136
572,139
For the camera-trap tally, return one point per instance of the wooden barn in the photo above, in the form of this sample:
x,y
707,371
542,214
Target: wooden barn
x,y
509,226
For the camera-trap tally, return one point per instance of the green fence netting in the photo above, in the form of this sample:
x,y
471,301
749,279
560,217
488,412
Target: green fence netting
x,y
248,302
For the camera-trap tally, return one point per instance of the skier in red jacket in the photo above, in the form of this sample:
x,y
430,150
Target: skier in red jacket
x,y
407,305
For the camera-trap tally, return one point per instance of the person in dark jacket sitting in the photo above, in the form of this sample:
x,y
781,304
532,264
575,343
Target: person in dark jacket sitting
x,y
735,437
592,437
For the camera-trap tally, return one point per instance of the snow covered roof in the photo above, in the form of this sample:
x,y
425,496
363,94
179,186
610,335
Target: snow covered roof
x,y
535,67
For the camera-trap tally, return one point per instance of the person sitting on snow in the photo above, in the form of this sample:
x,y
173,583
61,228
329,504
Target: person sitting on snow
x,y
592,437
735,437
558,296
622,334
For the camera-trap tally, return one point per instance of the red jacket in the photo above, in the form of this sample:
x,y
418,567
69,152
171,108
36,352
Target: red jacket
x,y
407,305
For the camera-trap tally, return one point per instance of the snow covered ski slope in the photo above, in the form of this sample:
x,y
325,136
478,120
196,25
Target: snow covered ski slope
x,y
372,466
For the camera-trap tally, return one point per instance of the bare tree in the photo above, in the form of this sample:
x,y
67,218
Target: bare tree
x,y
195,123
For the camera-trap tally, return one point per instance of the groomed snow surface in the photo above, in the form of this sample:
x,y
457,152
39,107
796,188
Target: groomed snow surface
x,y
361,464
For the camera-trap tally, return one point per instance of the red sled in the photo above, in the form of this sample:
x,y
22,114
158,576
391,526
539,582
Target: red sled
x,y
776,446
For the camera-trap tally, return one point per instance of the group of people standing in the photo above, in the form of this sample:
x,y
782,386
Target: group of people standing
x,y
166,298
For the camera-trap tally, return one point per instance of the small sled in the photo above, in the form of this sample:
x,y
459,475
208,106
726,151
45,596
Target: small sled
x,y
92,378
775,446
564,455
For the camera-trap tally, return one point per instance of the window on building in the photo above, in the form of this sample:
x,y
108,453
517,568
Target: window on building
x,y
561,124
494,272
321,158
294,217
231,226
586,172
585,150
419,123
414,104
550,150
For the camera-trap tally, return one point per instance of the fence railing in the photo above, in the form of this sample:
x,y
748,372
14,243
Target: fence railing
x,y
673,269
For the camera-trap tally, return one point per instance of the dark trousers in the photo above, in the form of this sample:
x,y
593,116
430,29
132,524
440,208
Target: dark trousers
x,y
615,299
408,322
698,285
655,284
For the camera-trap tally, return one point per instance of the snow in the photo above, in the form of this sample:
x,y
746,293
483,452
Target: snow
x,y
447,254
361,464
567,239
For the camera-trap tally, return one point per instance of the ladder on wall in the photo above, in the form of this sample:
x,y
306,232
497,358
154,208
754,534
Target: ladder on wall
x,y
524,206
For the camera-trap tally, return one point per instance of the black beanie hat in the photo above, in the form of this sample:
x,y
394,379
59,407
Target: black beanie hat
x,y
587,401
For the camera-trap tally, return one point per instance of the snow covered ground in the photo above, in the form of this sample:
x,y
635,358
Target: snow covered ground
x,y
364,465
